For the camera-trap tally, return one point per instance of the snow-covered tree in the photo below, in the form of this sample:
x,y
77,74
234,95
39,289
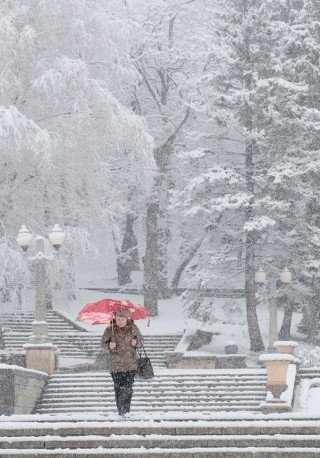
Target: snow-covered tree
x,y
168,55
65,121
245,197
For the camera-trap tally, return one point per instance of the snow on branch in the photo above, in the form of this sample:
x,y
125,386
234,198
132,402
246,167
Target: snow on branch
x,y
230,202
21,135
213,175
69,85
65,73
259,224
293,168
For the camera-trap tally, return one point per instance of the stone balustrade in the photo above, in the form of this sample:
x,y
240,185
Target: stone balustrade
x,y
20,389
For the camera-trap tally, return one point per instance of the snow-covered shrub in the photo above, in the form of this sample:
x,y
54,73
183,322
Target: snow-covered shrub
x,y
309,357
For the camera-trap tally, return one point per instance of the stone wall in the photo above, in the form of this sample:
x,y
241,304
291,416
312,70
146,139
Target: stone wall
x,y
20,389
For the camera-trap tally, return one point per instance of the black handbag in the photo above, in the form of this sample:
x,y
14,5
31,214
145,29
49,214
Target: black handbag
x,y
145,369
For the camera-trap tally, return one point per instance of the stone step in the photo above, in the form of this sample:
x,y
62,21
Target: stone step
x,y
234,408
255,425
164,441
308,374
93,397
198,452
150,400
86,335
153,385
166,386
27,327
163,376
184,374
152,408
93,337
13,337
85,377
157,393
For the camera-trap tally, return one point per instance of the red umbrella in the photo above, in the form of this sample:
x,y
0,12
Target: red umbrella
x,y
103,311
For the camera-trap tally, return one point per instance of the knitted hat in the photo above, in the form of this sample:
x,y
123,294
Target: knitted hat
x,y
125,313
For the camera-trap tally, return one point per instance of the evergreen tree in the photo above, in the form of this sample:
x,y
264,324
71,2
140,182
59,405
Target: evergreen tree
x,y
247,195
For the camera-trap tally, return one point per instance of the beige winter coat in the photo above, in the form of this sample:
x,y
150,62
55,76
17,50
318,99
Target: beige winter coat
x,y
124,357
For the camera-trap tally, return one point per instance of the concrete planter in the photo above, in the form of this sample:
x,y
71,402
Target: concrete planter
x,y
285,347
277,368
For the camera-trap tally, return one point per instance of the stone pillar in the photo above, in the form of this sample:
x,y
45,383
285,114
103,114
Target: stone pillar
x,y
41,357
273,318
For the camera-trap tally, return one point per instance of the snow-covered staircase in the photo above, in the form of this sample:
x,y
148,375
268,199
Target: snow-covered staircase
x,y
308,372
22,322
74,342
238,390
254,436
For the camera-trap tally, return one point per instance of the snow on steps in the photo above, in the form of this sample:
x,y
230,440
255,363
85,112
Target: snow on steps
x,y
221,435
169,391
73,342
308,372
86,345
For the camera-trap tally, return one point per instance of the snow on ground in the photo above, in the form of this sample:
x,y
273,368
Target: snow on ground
x,y
169,321
310,396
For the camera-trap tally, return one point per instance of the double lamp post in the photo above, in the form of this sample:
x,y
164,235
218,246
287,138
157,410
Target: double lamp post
x,y
40,353
261,278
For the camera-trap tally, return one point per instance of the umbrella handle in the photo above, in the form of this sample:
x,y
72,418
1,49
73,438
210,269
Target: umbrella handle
x,y
112,325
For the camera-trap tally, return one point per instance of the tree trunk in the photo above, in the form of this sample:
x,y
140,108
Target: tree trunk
x,y
128,257
312,315
285,330
5,295
151,258
130,244
183,265
2,344
256,342
163,242
154,263
123,273
70,278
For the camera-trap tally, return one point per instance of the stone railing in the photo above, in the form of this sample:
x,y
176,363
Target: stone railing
x,y
20,389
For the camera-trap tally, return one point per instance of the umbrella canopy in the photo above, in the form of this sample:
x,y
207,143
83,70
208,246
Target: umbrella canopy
x,y
103,311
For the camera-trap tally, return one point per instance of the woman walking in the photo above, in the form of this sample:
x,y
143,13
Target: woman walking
x,y
122,339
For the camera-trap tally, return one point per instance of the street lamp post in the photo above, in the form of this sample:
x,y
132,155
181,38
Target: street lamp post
x,y
261,278
39,349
